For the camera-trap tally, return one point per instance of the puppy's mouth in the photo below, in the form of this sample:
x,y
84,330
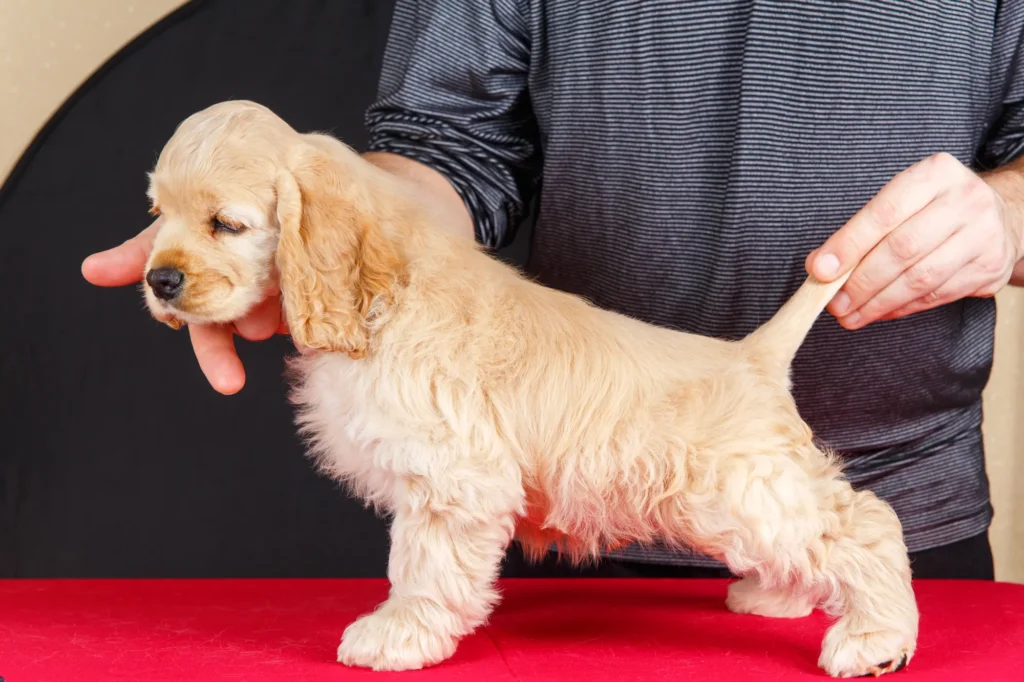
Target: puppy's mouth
x,y
206,301
171,321
167,312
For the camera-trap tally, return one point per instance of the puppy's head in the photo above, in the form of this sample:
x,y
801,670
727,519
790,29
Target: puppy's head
x,y
214,189
247,204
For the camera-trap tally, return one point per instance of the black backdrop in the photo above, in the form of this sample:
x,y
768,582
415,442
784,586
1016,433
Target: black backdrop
x,y
116,457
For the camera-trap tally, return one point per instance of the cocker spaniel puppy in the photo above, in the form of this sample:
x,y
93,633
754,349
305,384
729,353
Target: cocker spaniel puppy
x,y
475,407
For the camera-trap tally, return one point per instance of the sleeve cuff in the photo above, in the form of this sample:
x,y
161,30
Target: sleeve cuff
x,y
484,181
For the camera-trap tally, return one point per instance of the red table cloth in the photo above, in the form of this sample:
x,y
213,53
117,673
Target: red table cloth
x,y
544,630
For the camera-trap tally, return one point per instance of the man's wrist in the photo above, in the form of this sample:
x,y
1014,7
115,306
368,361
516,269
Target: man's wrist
x,y
1008,184
432,188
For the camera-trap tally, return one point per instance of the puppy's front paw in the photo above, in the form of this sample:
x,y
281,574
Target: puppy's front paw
x,y
846,654
402,634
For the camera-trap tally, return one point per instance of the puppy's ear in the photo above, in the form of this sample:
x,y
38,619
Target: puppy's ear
x,y
333,257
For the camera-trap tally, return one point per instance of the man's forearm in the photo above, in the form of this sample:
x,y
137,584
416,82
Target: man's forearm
x,y
432,188
1008,182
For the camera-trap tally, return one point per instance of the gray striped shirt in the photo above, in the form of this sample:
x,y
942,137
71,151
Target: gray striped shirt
x,y
684,157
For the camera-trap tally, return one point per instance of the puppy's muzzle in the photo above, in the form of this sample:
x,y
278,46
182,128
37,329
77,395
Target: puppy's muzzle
x,y
166,283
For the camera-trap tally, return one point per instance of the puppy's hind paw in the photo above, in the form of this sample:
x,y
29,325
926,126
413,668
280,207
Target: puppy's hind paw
x,y
864,655
888,667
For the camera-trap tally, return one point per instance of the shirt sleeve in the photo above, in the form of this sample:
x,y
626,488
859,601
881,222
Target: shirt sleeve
x,y
453,95
1005,139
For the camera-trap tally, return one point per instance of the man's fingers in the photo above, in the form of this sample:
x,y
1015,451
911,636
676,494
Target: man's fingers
x,y
906,194
121,265
900,250
262,322
214,346
962,284
927,281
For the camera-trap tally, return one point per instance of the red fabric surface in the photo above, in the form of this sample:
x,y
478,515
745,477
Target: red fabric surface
x,y
622,630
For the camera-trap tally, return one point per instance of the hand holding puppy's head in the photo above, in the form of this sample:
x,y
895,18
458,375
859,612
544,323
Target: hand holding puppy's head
x,y
247,204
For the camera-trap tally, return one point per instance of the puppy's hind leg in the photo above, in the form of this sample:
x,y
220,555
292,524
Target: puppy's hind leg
x,y
868,570
447,543
803,538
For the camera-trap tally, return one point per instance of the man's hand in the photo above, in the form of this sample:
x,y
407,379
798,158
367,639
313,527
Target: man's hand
x,y
214,346
936,233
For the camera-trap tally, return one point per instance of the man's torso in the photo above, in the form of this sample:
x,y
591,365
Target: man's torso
x,y
695,152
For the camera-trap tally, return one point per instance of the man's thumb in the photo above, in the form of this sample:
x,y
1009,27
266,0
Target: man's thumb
x,y
121,265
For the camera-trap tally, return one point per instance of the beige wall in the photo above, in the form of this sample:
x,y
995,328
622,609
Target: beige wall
x,y
48,47
1004,437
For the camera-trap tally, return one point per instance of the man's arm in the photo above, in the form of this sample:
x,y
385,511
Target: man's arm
x,y
453,96
431,188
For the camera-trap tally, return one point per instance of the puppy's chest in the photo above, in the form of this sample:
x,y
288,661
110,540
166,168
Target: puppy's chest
x,y
346,407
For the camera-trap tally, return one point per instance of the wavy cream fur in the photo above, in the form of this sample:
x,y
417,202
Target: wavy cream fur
x,y
474,406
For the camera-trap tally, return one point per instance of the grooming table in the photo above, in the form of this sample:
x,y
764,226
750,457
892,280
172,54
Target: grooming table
x,y
579,630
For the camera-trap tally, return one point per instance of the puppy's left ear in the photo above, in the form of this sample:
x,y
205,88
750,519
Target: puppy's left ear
x,y
334,259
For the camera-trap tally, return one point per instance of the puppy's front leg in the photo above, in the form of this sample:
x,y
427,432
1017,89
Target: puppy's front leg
x,y
446,550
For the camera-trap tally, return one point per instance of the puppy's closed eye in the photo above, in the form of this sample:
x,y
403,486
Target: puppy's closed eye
x,y
222,225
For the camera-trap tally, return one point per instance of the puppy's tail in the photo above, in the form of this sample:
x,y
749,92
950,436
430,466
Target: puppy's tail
x,y
776,342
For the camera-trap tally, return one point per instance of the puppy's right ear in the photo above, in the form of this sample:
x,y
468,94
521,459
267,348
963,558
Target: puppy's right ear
x,y
333,260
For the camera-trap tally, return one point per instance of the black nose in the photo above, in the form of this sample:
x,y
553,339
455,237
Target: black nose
x,y
165,282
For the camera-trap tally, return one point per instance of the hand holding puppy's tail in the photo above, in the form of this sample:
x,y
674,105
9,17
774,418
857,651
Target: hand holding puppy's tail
x,y
777,341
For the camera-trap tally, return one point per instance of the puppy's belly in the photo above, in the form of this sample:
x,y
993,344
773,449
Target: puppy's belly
x,y
539,529
536,541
